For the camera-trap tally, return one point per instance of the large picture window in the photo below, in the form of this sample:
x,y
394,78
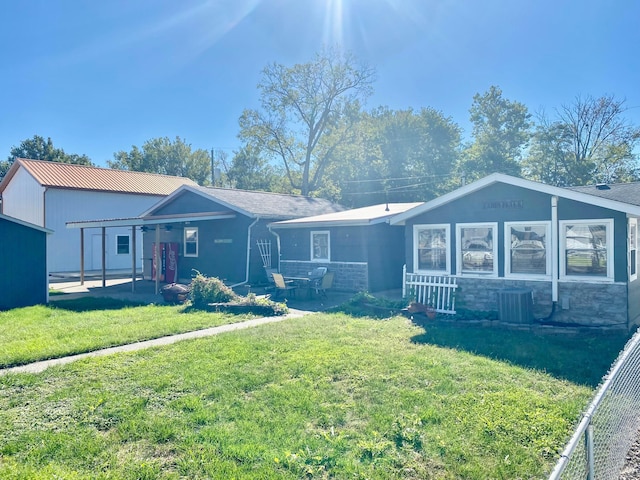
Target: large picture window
x,y
191,241
527,249
477,248
431,248
587,248
320,246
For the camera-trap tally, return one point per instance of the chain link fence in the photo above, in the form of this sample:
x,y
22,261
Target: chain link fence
x,y
609,427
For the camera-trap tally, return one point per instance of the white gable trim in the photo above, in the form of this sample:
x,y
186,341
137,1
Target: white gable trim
x,y
188,188
401,218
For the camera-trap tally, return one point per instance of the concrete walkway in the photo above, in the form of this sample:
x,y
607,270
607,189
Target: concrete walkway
x,y
38,367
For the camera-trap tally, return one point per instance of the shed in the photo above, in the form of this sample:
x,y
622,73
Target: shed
x,y
23,268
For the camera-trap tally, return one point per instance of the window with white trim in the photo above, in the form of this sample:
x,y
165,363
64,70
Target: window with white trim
x,y
320,246
122,244
477,248
431,248
527,249
586,249
633,247
190,241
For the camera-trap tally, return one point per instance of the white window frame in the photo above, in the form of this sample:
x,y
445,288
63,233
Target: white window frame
x,y
507,249
197,242
494,235
128,237
416,237
633,247
608,223
320,232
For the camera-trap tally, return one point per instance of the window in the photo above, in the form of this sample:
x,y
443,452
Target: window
x,y
122,244
587,249
320,246
431,248
477,248
527,249
633,247
191,241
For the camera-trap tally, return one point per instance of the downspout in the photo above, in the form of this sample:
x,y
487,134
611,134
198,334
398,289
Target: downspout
x,y
246,277
555,255
277,244
555,259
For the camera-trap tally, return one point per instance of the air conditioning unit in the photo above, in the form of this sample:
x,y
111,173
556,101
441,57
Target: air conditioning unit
x,y
515,305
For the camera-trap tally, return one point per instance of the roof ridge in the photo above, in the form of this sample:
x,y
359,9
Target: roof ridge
x,y
95,167
296,195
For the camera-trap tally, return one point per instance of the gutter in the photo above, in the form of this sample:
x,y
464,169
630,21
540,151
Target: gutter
x,y
246,277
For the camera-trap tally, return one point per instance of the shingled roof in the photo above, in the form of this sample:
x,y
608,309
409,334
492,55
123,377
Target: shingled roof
x,y
621,192
259,204
82,177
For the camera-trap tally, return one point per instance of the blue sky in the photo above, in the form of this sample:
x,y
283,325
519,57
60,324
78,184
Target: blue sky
x,y
100,76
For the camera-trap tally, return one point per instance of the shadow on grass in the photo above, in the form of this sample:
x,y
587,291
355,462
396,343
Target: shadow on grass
x,y
88,304
581,358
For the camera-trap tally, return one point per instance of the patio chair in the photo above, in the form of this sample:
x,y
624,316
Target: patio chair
x,y
282,286
325,284
271,286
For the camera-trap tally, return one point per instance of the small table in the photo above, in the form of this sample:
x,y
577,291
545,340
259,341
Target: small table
x,y
301,282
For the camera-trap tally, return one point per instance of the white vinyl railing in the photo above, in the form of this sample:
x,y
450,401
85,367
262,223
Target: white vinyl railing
x,y
435,290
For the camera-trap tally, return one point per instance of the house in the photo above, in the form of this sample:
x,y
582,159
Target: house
x,y
49,194
219,232
571,251
23,269
359,246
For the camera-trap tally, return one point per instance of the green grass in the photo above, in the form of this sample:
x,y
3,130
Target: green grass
x,y
324,396
77,326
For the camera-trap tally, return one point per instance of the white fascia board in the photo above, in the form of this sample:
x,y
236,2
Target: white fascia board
x,y
25,224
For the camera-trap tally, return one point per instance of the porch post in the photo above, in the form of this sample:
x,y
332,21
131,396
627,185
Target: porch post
x,y
133,258
81,256
104,257
158,260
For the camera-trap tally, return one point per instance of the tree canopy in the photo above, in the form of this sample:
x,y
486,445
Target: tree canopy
x,y
588,141
37,148
396,156
304,113
161,155
501,131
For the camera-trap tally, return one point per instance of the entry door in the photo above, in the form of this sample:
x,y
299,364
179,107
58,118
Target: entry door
x,y
96,251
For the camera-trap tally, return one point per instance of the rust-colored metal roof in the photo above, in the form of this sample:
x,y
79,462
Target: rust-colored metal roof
x,y
82,177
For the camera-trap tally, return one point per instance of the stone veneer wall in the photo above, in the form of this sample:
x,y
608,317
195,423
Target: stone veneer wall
x,y
590,304
350,277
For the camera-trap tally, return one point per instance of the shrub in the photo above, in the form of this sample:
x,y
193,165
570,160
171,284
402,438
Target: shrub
x,y
206,290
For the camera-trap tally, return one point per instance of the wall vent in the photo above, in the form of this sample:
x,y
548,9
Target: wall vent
x,y
515,305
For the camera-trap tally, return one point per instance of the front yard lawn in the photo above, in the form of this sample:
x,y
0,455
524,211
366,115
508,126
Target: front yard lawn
x,y
323,396
70,327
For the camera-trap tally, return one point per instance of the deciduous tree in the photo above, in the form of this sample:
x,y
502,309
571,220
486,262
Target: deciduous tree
x,y
37,148
302,107
161,155
501,130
